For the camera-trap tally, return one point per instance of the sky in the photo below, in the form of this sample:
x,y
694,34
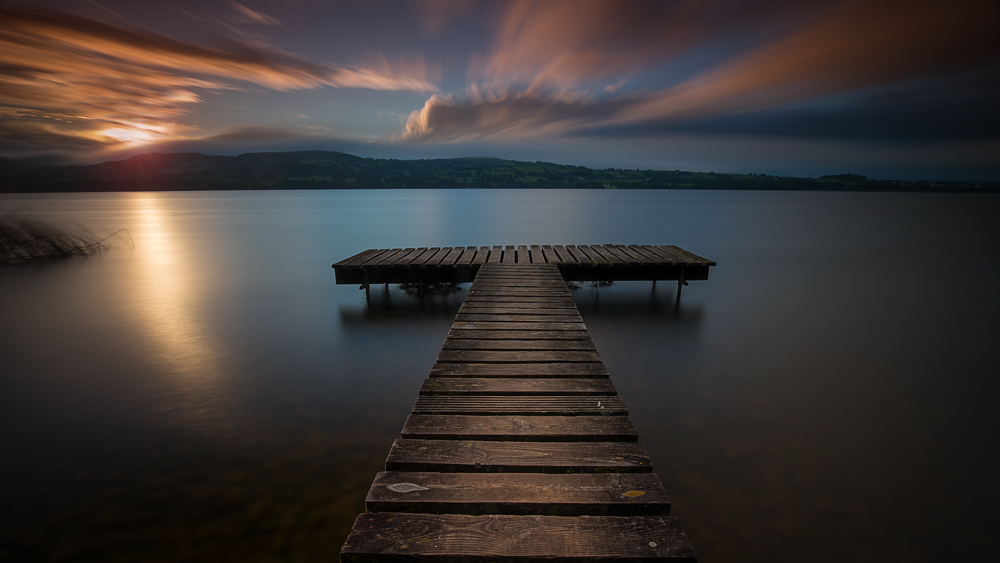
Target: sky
x,y
905,89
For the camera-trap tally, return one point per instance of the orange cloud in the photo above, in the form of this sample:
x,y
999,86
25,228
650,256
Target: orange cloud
x,y
546,50
859,46
567,44
113,78
509,116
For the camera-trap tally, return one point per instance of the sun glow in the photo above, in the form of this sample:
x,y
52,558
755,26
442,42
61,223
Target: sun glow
x,y
131,136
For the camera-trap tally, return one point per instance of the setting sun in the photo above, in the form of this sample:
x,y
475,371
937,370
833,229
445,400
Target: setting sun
x,y
133,136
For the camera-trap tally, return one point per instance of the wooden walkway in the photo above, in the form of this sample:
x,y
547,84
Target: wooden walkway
x,y
609,262
518,447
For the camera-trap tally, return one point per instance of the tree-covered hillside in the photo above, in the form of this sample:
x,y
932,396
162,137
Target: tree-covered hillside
x,y
334,170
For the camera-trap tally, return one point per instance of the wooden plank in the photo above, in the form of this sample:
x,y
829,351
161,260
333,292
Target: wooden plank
x,y
467,256
560,307
690,255
547,405
582,257
453,538
524,300
606,255
495,279
353,259
522,255
496,254
482,255
516,386
620,256
678,257
550,254
390,258
404,258
520,428
568,258
523,269
378,257
509,255
633,256
650,257
430,257
481,456
461,344
535,255
551,311
591,255
516,272
517,356
570,316
518,370
519,334
522,287
452,257
518,326
616,494
511,295
665,257
518,293
361,257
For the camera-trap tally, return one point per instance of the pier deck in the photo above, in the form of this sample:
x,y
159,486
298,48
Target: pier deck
x,y
518,447
609,262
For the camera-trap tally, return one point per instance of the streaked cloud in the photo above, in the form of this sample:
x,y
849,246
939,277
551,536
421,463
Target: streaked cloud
x,y
435,15
244,14
569,44
115,84
475,115
595,49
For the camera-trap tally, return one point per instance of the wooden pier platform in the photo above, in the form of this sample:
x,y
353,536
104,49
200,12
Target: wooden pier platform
x,y
609,262
518,447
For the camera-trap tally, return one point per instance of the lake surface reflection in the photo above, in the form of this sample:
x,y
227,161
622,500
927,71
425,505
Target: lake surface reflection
x,y
204,391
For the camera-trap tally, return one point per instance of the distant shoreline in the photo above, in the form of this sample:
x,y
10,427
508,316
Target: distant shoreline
x,y
319,170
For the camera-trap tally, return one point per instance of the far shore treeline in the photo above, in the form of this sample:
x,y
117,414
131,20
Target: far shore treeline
x,y
308,170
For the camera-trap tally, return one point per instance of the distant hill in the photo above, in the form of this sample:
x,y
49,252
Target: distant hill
x,y
307,170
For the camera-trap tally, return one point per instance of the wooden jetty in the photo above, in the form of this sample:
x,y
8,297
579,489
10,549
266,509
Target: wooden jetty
x,y
608,262
518,447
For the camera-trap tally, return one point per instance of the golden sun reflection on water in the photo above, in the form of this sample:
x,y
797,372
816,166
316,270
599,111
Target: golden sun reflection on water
x,y
165,294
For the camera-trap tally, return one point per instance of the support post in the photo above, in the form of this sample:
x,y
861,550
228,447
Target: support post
x,y
681,282
368,290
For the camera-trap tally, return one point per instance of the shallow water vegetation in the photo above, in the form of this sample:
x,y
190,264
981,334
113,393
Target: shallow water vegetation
x,y
25,240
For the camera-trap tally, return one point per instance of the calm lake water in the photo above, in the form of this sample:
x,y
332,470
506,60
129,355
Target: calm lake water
x,y
205,392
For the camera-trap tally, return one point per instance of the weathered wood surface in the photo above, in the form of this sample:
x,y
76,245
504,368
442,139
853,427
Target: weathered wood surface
x,y
518,356
464,317
480,456
516,386
611,262
518,447
480,334
517,405
440,538
520,309
487,325
519,370
524,345
615,494
520,428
